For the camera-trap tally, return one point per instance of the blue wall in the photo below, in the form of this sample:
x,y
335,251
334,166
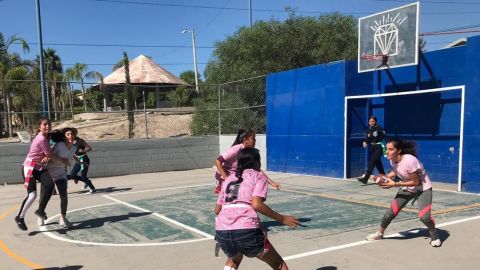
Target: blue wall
x,y
305,115
304,130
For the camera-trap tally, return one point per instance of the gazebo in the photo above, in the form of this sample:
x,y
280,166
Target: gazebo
x,y
145,75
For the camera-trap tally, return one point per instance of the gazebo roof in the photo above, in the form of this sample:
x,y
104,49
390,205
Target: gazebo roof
x,y
143,70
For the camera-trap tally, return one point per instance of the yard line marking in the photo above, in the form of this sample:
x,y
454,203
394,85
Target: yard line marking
x,y
197,231
363,242
160,189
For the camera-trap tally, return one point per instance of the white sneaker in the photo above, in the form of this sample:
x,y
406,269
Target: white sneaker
x,y
92,191
436,243
40,222
374,236
65,223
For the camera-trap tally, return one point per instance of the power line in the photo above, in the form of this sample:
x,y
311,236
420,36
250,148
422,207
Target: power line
x,y
166,64
433,2
276,10
119,45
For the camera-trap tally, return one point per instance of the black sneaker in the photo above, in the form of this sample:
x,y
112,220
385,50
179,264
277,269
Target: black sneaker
x,y
41,214
362,180
21,223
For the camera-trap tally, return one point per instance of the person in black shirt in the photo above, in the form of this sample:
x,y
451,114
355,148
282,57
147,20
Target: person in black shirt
x,y
375,136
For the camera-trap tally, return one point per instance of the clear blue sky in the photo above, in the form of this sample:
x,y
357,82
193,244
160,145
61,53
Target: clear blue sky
x,y
159,23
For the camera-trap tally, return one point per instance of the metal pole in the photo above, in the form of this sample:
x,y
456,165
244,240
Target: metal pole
x,y
195,61
40,46
219,115
145,114
250,11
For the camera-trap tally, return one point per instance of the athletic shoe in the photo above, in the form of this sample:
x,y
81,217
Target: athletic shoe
x,y
40,222
65,223
21,223
436,243
92,191
41,214
374,236
362,180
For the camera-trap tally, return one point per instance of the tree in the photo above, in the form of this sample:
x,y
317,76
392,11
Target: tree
x,y
274,46
7,62
80,73
53,71
129,94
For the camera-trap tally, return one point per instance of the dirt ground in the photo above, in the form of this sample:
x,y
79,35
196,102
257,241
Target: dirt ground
x,y
114,126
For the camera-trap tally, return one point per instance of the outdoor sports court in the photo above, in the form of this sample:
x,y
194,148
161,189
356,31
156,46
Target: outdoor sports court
x,y
166,221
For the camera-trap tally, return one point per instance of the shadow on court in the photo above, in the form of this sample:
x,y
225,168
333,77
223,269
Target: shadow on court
x,y
273,223
92,223
327,268
99,222
70,267
103,190
422,232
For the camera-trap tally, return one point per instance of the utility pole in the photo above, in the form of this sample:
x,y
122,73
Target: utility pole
x,y
40,46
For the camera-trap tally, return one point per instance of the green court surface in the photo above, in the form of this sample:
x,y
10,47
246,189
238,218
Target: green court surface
x,y
137,217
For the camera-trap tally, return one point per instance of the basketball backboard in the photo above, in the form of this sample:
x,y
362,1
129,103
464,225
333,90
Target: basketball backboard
x,y
388,39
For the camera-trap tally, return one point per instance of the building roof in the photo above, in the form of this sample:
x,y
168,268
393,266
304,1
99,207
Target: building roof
x,y
143,70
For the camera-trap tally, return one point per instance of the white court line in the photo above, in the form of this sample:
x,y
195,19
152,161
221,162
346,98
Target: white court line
x,y
363,242
57,237
160,189
457,192
197,231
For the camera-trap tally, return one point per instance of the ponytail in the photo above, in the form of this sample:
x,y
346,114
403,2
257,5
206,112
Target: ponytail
x,y
248,158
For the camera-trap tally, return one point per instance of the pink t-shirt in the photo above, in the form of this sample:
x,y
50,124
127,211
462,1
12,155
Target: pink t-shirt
x,y
39,149
410,164
238,213
230,160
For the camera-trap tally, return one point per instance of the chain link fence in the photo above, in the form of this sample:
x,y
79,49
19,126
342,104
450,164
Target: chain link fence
x,y
99,113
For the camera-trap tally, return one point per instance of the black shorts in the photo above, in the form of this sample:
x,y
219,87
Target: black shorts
x,y
249,242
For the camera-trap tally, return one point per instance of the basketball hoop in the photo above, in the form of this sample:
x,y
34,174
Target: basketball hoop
x,y
382,58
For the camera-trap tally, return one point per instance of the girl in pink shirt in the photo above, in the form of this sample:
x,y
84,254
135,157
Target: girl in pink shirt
x,y
237,227
34,169
226,163
414,183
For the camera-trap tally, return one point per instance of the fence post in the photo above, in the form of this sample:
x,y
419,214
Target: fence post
x,y
145,114
219,120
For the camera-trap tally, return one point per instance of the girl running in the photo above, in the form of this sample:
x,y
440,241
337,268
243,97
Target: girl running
x,y
414,184
83,161
226,163
34,169
237,227
64,149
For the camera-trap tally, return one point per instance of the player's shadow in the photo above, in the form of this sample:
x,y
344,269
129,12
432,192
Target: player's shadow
x,y
422,232
327,268
70,267
100,221
273,223
91,223
104,190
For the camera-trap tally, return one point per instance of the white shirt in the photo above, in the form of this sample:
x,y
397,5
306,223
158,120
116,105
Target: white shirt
x,y
57,170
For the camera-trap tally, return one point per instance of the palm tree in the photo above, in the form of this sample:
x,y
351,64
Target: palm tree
x,y
53,68
80,73
7,62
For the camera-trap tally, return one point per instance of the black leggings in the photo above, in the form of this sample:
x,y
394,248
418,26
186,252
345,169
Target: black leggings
x,y
375,160
62,191
46,190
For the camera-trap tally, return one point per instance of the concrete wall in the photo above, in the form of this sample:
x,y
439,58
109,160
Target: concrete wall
x,y
227,140
110,158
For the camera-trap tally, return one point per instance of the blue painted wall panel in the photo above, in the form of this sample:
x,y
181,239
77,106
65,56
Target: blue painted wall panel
x,y
302,135
305,115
